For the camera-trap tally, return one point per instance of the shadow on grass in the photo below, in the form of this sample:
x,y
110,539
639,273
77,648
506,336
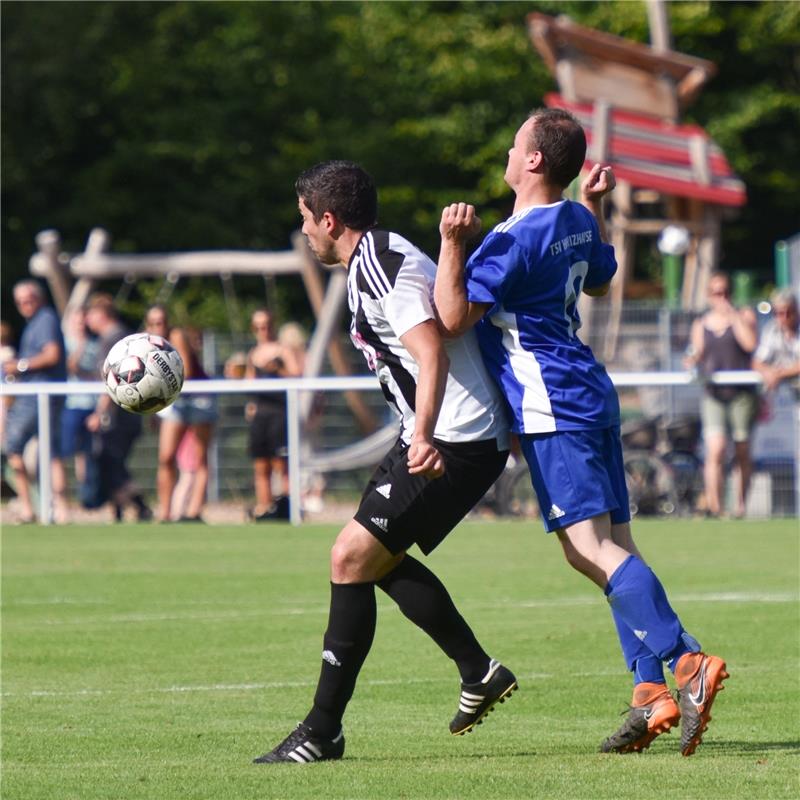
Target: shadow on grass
x,y
728,746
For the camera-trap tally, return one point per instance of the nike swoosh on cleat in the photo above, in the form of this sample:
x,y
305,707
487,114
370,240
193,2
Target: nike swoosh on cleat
x,y
700,697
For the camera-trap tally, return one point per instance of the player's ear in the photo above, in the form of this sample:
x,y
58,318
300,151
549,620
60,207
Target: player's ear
x,y
535,161
331,224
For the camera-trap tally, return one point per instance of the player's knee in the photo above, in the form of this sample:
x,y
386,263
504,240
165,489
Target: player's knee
x,y
347,562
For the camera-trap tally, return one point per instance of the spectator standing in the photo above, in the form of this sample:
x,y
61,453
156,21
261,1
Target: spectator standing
x,y
266,414
777,358
190,412
41,357
116,430
724,338
7,353
81,347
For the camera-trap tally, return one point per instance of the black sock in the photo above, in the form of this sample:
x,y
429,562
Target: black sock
x,y
351,628
423,598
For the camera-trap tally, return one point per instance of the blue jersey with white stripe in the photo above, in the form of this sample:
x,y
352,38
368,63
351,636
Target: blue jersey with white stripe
x,y
531,270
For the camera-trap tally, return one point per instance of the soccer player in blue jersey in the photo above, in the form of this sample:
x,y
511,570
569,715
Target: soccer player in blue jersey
x,y
520,290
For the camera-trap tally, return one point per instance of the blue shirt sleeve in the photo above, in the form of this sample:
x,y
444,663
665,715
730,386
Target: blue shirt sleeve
x,y
603,264
492,270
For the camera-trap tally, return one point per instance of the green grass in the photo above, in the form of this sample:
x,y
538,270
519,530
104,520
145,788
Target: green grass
x,y
156,661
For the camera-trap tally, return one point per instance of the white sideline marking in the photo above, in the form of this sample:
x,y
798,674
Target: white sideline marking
x,y
247,687
587,600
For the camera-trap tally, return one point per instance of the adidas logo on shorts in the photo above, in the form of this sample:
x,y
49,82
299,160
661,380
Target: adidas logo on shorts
x,y
381,522
385,490
555,512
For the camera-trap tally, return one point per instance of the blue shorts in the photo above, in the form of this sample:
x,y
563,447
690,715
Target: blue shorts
x,y
75,437
577,475
22,424
191,409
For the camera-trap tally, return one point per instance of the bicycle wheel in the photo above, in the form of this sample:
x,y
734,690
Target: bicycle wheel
x,y
651,485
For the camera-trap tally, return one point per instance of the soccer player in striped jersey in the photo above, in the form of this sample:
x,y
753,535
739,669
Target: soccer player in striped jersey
x,y
520,290
452,446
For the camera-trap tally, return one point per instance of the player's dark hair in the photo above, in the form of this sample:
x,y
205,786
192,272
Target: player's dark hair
x,y
559,137
344,189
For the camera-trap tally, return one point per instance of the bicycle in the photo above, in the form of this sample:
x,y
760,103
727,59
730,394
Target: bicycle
x,y
662,471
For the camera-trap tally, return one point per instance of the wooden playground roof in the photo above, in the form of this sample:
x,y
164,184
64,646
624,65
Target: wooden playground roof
x,y
650,153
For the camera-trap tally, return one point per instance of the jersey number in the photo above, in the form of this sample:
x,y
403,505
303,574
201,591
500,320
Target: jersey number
x,y
575,279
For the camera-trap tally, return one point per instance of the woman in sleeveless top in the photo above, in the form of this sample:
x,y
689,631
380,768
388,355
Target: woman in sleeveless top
x,y
724,338
192,416
266,415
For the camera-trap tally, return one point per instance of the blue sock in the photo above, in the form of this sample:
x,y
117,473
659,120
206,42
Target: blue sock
x,y
646,667
638,597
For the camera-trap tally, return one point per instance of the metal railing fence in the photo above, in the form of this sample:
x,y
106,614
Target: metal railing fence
x,y
295,387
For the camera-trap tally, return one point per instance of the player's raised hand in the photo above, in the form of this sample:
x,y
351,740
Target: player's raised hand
x,y
424,459
598,183
459,222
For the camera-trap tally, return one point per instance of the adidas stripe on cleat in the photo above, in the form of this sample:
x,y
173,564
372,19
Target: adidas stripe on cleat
x,y
651,713
478,699
699,679
301,746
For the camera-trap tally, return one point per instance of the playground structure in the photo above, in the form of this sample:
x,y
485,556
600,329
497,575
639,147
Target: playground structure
x,y
72,278
628,97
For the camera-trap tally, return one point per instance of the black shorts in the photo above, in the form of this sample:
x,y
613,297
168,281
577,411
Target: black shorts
x,y
401,509
267,437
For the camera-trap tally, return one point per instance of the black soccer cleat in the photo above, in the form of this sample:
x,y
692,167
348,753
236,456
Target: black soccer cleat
x,y
651,713
478,699
301,746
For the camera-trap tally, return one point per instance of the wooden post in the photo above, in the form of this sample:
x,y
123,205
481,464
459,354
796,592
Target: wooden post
x,y
660,37
621,239
98,242
49,264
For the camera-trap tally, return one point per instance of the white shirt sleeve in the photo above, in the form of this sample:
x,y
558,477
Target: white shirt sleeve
x,y
409,302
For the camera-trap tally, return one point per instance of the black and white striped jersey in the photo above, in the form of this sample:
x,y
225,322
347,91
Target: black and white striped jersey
x,y
390,290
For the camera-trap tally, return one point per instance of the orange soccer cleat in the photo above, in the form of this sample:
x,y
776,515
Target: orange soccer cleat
x,y
699,678
652,712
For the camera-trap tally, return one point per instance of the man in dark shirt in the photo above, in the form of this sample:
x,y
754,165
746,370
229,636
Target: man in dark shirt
x,y
116,431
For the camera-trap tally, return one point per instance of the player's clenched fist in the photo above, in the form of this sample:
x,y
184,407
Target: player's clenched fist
x,y
424,459
599,182
459,222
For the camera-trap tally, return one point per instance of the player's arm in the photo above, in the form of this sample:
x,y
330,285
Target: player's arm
x,y
597,184
180,342
47,357
697,345
745,328
425,346
101,412
597,291
456,313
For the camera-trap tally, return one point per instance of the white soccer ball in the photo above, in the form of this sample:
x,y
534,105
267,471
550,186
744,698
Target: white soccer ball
x,y
143,373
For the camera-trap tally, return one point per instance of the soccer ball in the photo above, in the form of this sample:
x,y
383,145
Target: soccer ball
x,y
143,373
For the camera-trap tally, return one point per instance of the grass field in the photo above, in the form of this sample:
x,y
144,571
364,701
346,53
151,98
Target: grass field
x,y
156,661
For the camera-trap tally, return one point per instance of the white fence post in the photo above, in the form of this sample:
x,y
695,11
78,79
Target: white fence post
x,y
45,460
293,444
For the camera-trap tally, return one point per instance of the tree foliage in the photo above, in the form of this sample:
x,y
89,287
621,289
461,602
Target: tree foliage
x,y
183,125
